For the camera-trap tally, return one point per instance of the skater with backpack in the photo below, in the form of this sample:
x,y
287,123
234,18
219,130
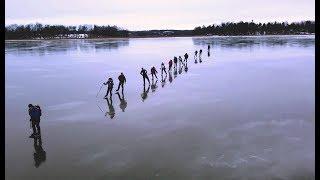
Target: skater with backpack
x,y
35,113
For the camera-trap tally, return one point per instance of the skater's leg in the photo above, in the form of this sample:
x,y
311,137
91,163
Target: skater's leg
x,y
33,127
38,127
119,86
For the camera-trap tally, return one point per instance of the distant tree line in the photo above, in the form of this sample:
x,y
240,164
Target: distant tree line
x,y
39,31
251,28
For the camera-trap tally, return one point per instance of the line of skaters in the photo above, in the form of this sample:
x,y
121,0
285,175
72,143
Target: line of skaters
x,y
178,65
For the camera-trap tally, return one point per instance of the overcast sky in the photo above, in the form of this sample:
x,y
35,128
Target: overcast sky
x,y
153,14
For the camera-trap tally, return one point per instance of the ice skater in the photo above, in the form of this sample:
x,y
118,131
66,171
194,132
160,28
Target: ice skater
x,y
35,114
122,81
175,61
163,68
110,87
186,57
144,76
200,56
180,59
154,72
170,65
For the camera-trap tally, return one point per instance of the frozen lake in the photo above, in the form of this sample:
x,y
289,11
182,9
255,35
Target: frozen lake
x,y
245,112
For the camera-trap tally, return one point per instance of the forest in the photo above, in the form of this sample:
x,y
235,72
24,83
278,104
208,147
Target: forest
x,y
40,31
251,28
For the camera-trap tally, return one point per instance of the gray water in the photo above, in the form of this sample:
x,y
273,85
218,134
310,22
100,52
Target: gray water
x,y
245,112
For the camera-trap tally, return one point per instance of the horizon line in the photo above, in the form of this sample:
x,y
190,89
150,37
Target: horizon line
x,y
98,24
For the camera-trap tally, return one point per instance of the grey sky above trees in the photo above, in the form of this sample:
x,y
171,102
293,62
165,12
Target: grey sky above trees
x,y
164,14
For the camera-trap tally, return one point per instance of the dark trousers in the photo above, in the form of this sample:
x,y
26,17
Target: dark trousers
x,y
144,80
154,75
120,84
163,70
35,123
109,90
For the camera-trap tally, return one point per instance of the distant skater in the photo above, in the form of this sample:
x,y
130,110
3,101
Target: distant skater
x,y
122,81
163,68
170,65
175,61
35,113
200,53
144,76
186,57
180,59
154,72
195,54
208,47
110,87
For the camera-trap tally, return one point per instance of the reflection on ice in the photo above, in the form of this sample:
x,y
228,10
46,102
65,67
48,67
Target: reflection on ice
x,y
144,94
43,47
250,41
123,102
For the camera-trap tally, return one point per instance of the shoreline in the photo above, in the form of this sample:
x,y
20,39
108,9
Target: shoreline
x,y
144,37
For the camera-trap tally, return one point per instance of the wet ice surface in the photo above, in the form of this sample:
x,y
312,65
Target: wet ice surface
x,y
245,112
